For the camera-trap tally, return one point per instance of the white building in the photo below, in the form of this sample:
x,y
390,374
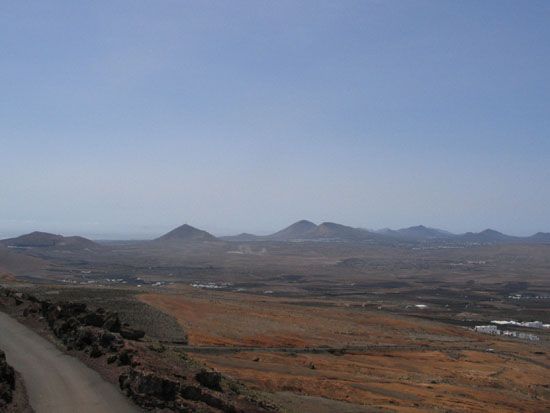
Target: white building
x,y
487,329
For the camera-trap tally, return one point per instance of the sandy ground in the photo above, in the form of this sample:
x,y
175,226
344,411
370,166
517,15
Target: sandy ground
x,y
56,382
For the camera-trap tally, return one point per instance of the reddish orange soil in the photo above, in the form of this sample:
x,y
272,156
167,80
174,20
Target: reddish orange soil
x,y
407,381
233,319
454,374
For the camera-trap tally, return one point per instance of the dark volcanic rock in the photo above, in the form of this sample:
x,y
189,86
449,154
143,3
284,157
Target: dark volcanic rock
x,y
95,351
154,391
195,393
62,327
149,389
210,379
125,357
85,336
7,381
64,311
110,341
112,323
92,318
80,329
33,308
131,334
71,309
191,393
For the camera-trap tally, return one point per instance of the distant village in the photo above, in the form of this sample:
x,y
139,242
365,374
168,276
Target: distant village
x,y
493,329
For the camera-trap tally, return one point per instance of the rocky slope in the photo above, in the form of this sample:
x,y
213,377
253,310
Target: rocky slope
x,y
13,398
153,376
7,382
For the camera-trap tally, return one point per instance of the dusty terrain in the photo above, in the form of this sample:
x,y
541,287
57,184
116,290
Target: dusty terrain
x,y
323,327
443,367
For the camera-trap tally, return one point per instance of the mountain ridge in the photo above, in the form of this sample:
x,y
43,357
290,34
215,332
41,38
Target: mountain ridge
x,y
305,230
38,239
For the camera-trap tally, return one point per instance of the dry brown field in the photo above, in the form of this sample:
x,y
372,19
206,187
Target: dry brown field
x,y
443,368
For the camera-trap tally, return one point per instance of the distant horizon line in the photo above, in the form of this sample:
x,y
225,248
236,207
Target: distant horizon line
x,y
145,235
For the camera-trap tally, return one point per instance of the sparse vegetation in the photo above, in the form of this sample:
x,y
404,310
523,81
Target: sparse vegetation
x,y
312,323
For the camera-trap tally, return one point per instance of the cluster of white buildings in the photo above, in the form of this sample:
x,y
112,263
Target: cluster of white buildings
x,y
528,297
520,335
211,285
95,281
492,329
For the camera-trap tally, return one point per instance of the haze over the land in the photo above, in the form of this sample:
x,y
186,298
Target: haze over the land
x,y
128,119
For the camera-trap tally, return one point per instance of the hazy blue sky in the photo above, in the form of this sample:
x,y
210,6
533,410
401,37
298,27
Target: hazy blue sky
x,y
132,117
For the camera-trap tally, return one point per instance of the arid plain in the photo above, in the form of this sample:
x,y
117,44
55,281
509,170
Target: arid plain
x,y
324,326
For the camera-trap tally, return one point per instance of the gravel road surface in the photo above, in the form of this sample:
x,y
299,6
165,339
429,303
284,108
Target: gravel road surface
x,y
55,381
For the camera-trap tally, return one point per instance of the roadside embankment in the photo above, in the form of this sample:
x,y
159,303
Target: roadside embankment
x,y
153,376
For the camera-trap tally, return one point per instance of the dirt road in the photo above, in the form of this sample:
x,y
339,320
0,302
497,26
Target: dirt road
x,y
55,381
